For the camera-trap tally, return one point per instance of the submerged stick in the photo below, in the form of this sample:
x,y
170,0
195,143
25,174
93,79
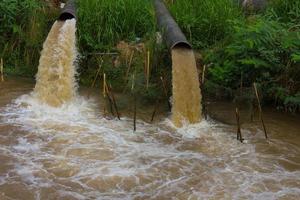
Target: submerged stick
x,y
1,70
239,133
260,110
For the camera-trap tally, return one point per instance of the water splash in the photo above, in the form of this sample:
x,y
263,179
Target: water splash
x,y
55,80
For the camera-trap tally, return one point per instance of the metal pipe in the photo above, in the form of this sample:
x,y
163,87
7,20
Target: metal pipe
x,y
69,11
170,29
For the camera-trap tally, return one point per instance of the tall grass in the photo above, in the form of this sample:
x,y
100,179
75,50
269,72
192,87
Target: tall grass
x,y
102,23
24,26
285,10
205,21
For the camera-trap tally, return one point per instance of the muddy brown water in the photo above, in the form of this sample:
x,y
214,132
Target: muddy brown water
x,y
73,152
186,90
55,80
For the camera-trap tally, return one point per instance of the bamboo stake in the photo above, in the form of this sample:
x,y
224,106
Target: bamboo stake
x,y
96,77
129,64
104,94
203,74
110,102
104,85
148,68
260,110
134,114
134,102
114,101
239,133
203,99
1,70
128,70
97,74
107,93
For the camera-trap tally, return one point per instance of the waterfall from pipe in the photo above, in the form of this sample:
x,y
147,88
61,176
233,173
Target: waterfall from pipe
x,y
55,80
186,90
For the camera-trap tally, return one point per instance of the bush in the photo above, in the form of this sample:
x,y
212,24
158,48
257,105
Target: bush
x,y
260,50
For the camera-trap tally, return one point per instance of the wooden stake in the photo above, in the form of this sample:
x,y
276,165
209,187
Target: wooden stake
x,y
96,77
129,64
97,74
155,109
111,93
239,133
203,99
104,85
1,70
134,114
148,68
260,110
203,74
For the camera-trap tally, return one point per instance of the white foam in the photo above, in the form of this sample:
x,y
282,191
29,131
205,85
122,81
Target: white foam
x,y
74,144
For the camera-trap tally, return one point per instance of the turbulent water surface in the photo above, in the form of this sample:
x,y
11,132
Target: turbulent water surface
x,y
73,152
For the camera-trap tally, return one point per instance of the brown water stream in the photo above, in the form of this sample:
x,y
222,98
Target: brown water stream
x,y
186,89
73,152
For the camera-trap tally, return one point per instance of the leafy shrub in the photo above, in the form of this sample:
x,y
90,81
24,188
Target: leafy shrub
x,y
260,50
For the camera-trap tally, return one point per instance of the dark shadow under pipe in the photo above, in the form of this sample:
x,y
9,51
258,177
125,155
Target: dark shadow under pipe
x,y
69,11
170,29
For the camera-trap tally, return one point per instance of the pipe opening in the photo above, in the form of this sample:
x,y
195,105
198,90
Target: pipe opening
x,y
181,45
65,16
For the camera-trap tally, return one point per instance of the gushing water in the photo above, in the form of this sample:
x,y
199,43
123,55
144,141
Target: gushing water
x,y
186,90
55,80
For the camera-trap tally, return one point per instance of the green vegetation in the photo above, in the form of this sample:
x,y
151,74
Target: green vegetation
x,y
24,26
241,49
103,23
205,21
238,48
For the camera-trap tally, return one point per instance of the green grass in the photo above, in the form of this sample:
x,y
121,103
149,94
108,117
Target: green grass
x,y
24,27
205,21
103,23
